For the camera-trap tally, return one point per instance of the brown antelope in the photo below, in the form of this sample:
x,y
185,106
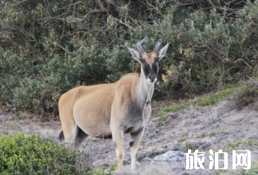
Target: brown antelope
x,y
112,110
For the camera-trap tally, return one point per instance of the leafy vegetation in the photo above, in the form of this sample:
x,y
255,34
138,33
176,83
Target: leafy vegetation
x,y
189,145
233,146
35,155
246,96
253,170
49,47
212,133
182,139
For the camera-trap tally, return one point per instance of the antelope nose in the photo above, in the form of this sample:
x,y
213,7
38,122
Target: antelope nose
x,y
152,77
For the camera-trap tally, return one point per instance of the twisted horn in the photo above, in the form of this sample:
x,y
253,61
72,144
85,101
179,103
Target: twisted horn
x,y
139,45
156,49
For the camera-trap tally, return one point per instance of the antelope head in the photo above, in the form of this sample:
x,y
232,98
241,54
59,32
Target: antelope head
x,y
149,61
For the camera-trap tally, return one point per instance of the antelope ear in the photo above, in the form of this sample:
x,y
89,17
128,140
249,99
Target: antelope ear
x,y
163,51
135,54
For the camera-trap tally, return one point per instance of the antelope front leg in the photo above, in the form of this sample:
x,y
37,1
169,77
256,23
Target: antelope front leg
x,y
134,144
117,136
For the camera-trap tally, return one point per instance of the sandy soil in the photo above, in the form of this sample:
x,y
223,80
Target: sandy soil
x,y
202,128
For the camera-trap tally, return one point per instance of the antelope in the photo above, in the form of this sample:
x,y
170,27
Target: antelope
x,y
112,110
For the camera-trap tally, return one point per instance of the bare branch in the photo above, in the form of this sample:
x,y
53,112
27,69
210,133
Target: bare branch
x,y
102,6
125,24
91,12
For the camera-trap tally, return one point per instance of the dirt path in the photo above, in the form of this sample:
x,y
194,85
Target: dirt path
x,y
203,128
11,124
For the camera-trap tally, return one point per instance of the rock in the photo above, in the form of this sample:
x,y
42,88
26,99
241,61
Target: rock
x,y
176,147
170,156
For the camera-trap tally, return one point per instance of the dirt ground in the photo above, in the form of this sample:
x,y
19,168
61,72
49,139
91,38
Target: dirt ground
x,y
222,126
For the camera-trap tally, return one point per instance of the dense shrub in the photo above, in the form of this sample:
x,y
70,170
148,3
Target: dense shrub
x,y
48,47
34,155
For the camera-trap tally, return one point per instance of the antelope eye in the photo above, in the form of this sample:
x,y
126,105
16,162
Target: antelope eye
x,y
141,60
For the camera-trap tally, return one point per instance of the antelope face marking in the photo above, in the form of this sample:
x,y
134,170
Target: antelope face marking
x,y
150,66
149,61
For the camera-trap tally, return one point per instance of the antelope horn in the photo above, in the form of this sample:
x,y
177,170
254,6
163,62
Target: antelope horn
x,y
139,45
156,49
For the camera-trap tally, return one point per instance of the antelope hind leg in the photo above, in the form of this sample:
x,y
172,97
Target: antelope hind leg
x,y
74,138
134,146
70,137
81,135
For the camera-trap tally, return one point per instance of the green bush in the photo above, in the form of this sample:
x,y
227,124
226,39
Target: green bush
x,y
34,155
49,47
253,170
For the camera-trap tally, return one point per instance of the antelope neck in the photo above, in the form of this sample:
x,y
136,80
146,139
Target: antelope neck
x,y
144,91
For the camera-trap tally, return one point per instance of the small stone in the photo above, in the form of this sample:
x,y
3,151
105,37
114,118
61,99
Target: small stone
x,y
170,156
175,148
